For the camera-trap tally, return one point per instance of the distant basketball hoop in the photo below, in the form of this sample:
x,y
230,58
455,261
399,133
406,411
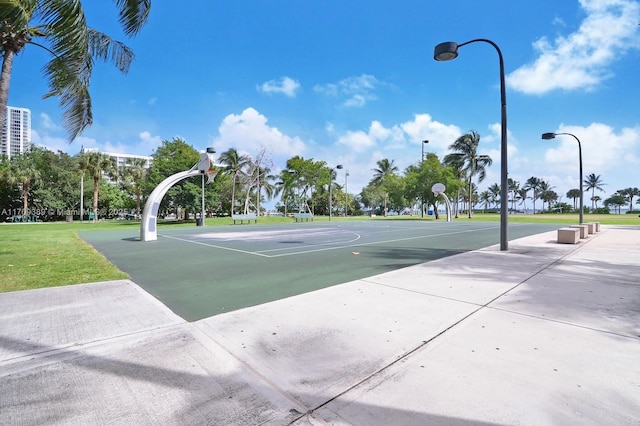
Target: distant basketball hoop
x,y
438,189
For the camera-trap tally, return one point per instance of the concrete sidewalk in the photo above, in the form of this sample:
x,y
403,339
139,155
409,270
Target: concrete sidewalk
x,y
544,334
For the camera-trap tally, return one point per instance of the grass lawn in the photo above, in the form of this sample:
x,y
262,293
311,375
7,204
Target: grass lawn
x,y
35,255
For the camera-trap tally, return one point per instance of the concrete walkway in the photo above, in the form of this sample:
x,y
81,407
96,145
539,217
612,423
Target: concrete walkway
x,y
544,334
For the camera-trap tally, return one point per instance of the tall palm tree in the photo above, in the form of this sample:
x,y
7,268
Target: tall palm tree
x,y
494,192
385,169
522,196
533,184
513,187
234,164
60,27
23,172
99,164
593,182
466,152
135,171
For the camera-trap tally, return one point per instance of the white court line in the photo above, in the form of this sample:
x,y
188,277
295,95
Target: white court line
x,y
326,248
214,246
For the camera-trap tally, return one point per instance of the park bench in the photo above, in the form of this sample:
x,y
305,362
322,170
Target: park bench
x,y
303,216
569,235
244,217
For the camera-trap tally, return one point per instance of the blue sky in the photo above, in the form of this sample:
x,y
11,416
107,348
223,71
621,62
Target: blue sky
x,y
352,81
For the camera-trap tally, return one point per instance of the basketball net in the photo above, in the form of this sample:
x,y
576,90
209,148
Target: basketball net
x,y
211,175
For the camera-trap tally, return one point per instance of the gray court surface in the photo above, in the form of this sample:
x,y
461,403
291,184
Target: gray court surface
x,y
204,271
544,334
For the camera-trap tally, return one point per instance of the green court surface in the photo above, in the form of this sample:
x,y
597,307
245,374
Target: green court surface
x,y
203,271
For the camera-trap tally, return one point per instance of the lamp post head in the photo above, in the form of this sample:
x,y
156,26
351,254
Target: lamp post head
x,y
547,136
446,51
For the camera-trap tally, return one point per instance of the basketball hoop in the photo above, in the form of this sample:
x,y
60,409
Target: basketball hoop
x,y
211,175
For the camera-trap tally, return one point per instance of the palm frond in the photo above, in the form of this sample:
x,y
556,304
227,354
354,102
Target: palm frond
x,y
133,15
103,47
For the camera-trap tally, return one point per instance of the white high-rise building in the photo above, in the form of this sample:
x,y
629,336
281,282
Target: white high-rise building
x,y
16,132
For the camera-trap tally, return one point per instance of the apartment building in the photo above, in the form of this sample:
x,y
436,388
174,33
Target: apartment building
x,y
16,132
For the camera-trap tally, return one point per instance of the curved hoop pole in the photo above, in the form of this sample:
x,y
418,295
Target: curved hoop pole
x,y
148,226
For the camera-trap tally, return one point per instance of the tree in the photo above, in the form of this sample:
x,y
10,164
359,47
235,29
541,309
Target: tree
x,y
419,179
513,187
169,158
593,182
617,200
234,164
466,153
573,194
522,196
533,184
546,193
133,175
98,165
630,193
382,178
60,28
23,173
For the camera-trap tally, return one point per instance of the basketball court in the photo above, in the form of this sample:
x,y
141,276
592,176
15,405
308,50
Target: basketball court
x,y
204,271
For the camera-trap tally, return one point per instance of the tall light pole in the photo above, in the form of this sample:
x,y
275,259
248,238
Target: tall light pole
x,y
339,166
346,194
449,50
422,192
547,136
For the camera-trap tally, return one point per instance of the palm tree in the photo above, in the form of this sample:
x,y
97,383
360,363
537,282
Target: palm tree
x,y
98,165
593,182
466,152
384,170
533,184
60,28
234,163
546,193
513,186
22,171
135,171
573,194
494,191
485,198
522,196
630,193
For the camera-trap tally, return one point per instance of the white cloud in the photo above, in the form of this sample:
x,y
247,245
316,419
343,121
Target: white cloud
x,y
581,60
285,85
47,123
357,90
249,132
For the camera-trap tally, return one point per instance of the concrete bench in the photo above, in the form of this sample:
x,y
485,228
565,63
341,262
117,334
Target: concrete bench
x,y
303,216
584,229
569,235
242,217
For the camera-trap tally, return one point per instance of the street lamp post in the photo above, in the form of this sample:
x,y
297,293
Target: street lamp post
x,y
449,50
548,136
339,166
422,192
346,194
